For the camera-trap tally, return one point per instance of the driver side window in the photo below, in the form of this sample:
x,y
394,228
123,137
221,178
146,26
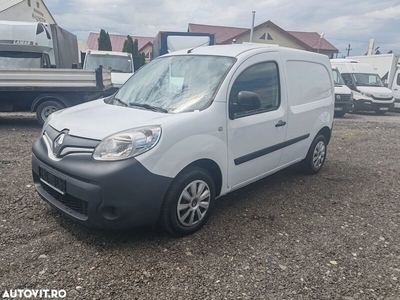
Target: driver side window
x,y
261,79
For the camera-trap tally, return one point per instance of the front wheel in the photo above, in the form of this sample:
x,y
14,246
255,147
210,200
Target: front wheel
x,y
46,108
188,202
316,155
339,114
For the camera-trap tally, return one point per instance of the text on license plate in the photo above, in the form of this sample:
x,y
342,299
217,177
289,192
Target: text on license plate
x,y
384,108
52,180
338,108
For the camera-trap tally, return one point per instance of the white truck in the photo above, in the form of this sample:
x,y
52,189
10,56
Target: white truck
x,y
45,91
388,68
368,90
120,64
343,95
36,45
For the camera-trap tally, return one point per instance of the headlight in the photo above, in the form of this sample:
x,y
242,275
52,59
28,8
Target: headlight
x,y
366,94
127,143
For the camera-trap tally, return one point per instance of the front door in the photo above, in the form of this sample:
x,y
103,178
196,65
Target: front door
x,y
256,134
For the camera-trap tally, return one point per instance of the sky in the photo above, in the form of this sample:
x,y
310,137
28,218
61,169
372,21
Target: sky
x,y
343,22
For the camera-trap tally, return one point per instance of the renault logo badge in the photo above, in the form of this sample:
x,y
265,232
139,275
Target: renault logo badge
x,y
338,97
58,143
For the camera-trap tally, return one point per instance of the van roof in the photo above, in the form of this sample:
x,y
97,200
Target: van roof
x,y
107,52
235,50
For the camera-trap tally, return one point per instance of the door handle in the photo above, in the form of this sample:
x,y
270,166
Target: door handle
x,y
280,123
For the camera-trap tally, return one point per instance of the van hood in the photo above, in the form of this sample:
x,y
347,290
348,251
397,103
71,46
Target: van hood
x,y
377,91
342,89
97,119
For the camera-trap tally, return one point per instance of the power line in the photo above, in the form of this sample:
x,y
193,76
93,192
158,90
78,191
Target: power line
x,y
355,41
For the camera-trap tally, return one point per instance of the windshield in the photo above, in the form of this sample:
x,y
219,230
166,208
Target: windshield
x,y
121,64
362,79
337,78
176,83
16,60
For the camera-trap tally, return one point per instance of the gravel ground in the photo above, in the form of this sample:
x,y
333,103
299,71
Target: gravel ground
x,y
330,236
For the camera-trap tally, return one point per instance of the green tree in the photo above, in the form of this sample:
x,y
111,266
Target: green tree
x,y
390,52
377,52
104,41
135,51
142,59
128,45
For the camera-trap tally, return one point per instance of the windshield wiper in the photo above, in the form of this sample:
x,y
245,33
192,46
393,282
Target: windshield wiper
x,y
120,101
149,107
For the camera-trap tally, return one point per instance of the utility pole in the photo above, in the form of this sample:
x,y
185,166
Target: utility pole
x,y
252,26
348,50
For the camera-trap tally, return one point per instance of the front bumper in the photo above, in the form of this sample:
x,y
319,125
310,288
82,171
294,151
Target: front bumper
x,y
120,194
368,105
345,106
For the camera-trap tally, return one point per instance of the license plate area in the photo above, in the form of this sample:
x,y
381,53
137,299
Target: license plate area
x,y
384,108
338,108
56,183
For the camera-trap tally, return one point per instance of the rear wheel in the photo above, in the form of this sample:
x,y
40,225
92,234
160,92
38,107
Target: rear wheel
x,y
46,108
188,202
316,155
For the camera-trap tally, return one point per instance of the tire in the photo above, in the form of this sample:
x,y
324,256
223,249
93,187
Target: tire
x,y
316,156
183,211
46,108
380,112
339,114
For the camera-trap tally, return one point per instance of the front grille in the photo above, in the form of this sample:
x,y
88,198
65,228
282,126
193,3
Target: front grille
x,y
69,201
382,99
344,97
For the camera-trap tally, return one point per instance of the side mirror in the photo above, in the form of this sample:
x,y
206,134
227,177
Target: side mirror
x,y
248,101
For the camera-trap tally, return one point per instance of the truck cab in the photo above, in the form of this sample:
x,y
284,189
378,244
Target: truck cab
x,y
369,92
343,95
25,45
119,63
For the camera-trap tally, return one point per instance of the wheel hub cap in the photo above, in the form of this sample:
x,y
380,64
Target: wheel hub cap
x,y
193,203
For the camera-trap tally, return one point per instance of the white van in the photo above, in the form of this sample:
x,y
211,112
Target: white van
x,y
187,128
368,91
343,95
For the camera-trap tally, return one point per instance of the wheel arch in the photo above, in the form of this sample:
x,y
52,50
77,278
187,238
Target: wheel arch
x,y
326,132
211,167
48,97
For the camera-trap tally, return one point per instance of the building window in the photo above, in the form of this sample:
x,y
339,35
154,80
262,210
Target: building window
x,y
29,2
266,36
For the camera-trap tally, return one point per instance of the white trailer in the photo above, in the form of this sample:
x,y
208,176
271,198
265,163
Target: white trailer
x,y
387,66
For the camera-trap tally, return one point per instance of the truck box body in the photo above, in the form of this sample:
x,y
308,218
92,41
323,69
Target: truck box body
x,y
169,41
46,90
388,68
